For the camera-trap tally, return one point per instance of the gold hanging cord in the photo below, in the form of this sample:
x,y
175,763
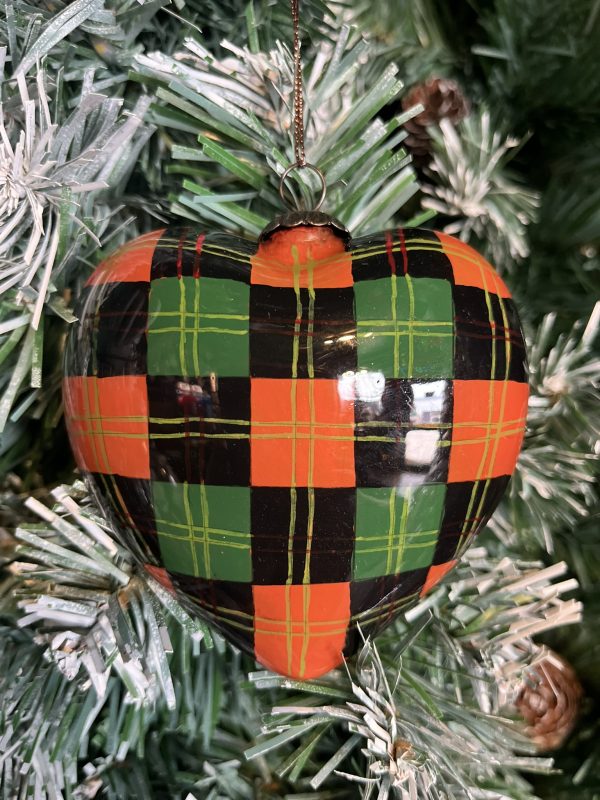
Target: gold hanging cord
x,y
299,151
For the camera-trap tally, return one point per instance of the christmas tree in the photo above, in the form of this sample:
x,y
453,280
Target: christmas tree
x,y
120,115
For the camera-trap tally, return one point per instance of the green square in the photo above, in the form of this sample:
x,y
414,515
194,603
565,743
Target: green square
x,y
426,507
176,555
396,529
433,354
377,352
433,342
405,327
433,300
197,326
204,530
373,299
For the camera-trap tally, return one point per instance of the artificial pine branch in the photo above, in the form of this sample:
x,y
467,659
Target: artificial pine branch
x,y
429,705
420,45
544,59
54,204
230,124
554,487
473,186
103,622
118,748
90,593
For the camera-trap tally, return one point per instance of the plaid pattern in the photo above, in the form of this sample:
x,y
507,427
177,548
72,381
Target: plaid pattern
x,y
304,435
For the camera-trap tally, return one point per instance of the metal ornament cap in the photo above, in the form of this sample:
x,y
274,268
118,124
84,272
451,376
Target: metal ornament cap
x,y
297,219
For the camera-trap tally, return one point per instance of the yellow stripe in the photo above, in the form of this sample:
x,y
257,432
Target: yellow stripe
x,y
391,527
293,491
277,437
185,330
374,323
394,332
403,532
205,315
411,317
195,338
286,423
189,518
311,459
205,520
496,437
181,330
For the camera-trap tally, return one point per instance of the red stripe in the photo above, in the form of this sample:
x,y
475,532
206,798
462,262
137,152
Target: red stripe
x,y
389,244
199,243
180,256
403,248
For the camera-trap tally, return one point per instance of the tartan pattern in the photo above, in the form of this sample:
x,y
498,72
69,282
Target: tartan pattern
x,y
196,327
204,529
396,532
306,435
405,327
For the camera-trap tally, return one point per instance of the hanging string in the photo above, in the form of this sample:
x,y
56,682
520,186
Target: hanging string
x,y
299,153
298,121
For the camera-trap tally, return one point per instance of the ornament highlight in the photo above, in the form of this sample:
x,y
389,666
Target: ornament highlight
x,y
305,432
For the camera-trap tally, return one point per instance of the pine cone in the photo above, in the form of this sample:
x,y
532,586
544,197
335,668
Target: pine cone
x,y
442,98
549,702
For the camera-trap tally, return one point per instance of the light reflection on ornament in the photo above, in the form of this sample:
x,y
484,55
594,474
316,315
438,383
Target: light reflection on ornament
x,y
428,402
347,337
362,385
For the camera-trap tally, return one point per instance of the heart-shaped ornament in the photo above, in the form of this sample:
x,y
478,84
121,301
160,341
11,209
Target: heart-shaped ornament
x,y
305,432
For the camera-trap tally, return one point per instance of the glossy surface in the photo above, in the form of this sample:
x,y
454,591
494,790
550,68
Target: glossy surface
x,y
305,434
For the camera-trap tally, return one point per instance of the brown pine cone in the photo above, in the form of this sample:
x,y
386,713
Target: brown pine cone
x,y
550,702
442,98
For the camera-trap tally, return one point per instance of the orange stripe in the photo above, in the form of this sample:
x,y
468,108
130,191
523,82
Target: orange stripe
x,y
466,273
130,263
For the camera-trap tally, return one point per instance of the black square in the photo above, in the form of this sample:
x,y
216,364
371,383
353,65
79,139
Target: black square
x,y
187,252
517,370
393,430
413,251
372,257
226,257
463,499
504,336
120,320
375,602
485,334
334,335
500,338
474,335
191,438
292,335
228,605
326,515
273,311
424,254
135,495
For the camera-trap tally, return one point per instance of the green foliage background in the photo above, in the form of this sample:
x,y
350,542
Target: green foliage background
x,y
115,102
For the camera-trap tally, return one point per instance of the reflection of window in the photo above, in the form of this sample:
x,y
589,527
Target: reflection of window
x,y
188,389
428,402
421,447
196,399
361,385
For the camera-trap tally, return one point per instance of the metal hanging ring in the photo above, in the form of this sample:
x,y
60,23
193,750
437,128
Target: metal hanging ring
x,y
316,170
